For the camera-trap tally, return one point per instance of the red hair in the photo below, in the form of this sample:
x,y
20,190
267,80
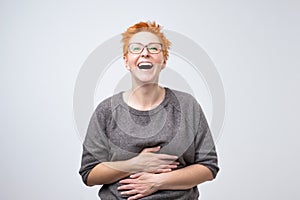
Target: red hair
x,y
151,27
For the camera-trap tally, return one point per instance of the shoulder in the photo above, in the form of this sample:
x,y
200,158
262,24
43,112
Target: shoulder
x,y
183,98
187,104
109,104
181,94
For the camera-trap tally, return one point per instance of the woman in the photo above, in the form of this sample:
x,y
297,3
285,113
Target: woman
x,y
149,142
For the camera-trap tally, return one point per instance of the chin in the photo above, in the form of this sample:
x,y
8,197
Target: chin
x,y
147,81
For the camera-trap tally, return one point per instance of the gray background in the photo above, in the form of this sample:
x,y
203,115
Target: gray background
x,y
254,45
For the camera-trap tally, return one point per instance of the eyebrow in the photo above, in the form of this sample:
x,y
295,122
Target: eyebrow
x,y
144,44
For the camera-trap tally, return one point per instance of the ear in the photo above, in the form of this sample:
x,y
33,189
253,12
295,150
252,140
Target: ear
x,y
164,64
126,63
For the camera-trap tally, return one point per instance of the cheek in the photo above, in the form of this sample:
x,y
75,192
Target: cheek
x,y
131,61
160,60
128,62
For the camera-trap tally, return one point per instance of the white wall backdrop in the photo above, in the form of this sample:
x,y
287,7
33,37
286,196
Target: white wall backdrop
x,y
255,46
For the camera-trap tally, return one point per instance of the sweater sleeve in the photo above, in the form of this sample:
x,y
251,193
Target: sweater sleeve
x,y
204,146
95,145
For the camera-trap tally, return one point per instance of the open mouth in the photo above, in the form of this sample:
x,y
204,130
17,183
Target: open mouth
x,y
145,66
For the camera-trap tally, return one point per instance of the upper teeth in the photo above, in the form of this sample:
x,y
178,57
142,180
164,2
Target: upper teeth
x,y
144,64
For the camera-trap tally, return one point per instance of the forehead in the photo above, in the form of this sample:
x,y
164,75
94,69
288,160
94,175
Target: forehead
x,y
144,38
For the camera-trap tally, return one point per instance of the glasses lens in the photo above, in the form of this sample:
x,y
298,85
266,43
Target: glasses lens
x,y
136,48
154,47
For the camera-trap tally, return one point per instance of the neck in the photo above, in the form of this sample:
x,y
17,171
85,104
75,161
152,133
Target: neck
x,y
145,97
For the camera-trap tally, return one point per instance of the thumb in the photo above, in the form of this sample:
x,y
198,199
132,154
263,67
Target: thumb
x,y
151,150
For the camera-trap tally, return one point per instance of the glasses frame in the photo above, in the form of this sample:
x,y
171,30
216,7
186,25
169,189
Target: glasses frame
x,y
145,46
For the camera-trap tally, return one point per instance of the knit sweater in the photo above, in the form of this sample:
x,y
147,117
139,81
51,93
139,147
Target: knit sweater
x,y
119,132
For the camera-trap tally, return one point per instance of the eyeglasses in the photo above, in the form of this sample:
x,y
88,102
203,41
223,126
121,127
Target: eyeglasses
x,y
137,48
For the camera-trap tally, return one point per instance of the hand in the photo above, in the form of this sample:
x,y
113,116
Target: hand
x,y
149,161
139,185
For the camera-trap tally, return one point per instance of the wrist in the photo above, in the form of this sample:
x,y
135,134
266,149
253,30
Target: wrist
x,y
133,166
160,180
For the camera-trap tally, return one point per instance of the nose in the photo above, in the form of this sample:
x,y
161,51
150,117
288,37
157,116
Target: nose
x,y
145,52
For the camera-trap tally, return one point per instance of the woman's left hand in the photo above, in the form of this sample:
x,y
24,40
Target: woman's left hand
x,y
139,185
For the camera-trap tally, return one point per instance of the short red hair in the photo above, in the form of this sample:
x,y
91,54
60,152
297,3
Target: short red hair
x,y
151,27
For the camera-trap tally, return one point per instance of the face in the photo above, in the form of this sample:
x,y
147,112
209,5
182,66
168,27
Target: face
x,y
145,66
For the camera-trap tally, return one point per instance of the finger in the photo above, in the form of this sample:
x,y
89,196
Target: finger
x,y
127,181
168,165
167,157
172,166
162,171
136,175
151,150
129,192
166,168
125,187
138,196
175,163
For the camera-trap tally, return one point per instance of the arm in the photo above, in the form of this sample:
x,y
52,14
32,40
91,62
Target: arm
x,y
184,178
104,173
143,184
146,161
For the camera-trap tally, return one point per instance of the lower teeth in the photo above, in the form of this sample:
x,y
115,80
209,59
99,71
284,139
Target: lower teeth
x,y
145,66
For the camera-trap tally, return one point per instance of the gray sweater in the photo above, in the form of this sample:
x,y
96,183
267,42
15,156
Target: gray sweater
x,y
119,132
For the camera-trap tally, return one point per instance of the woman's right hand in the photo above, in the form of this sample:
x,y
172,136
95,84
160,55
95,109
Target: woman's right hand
x,y
151,161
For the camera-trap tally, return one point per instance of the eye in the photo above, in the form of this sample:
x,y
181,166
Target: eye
x,y
153,48
136,48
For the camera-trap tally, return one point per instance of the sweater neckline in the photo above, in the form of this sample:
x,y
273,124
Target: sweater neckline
x,y
145,112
